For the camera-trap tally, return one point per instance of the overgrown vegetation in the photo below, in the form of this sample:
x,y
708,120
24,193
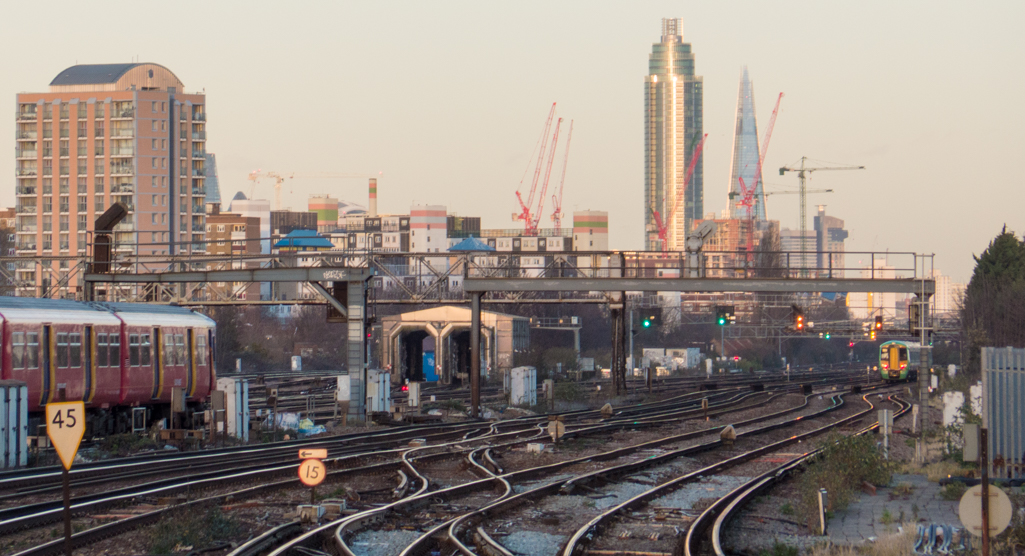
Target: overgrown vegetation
x,y
953,491
197,530
840,468
780,549
569,392
125,444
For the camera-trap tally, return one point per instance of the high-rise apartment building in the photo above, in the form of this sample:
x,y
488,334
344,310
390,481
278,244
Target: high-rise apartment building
x,y
672,129
104,134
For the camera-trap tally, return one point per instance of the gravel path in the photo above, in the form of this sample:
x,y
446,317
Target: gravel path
x,y
532,542
382,543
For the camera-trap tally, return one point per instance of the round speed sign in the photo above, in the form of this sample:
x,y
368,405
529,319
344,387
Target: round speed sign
x,y
312,472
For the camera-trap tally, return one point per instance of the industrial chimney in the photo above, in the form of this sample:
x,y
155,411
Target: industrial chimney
x,y
373,198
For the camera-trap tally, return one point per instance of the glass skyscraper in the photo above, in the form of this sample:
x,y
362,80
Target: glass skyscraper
x,y
673,128
745,158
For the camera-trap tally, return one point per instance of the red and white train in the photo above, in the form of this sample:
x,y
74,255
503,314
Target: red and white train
x,y
113,356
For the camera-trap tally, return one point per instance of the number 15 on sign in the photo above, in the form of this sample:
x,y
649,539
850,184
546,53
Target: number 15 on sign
x,y
312,472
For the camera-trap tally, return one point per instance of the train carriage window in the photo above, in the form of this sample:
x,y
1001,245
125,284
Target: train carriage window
x,y
179,349
115,349
146,348
62,350
133,349
201,349
18,350
101,351
169,349
32,350
75,351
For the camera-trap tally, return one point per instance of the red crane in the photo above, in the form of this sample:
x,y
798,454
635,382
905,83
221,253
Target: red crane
x,y
663,226
557,199
531,229
525,213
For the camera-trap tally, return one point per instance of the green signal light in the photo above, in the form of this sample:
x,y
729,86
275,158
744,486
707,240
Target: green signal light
x,y
647,324
827,335
722,321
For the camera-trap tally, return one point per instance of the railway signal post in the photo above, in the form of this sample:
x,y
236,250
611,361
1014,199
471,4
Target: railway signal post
x,y
65,425
312,470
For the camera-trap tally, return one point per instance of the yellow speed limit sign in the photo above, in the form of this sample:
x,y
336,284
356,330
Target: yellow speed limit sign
x,y
65,425
312,472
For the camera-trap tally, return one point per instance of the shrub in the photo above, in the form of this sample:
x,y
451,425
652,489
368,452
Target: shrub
x,y
840,468
786,509
569,391
953,491
780,549
192,528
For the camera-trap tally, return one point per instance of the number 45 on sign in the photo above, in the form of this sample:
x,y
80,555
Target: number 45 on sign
x,y
65,425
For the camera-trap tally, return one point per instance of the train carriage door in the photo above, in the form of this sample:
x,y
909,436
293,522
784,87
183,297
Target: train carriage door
x,y
190,362
894,358
89,372
151,347
47,367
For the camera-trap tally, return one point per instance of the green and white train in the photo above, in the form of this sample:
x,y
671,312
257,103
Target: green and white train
x,y
899,360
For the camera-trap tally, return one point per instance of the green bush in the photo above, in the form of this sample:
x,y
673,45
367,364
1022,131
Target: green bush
x,y
196,529
780,549
953,491
569,391
840,468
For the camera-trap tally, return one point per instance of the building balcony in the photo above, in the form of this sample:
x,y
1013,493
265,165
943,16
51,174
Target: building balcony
x,y
26,190
122,188
199,192
126,114
199,136
122,133
27,247
27,116
27,229
23,154
196,173
199,116
122,153
27,135
198,209
121,170
199,154
26,172
198,228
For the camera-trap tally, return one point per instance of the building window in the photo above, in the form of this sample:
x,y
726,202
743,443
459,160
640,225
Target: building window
x,y
153,125
100,206
83,129
154,144
154,108
83,203
98,184
98,110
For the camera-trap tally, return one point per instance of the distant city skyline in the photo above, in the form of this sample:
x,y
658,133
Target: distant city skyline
x,y
926,95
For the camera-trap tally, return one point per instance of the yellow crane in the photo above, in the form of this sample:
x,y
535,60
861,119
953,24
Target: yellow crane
x,y
256,175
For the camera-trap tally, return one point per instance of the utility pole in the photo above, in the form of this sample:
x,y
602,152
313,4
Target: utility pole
x,y
803,173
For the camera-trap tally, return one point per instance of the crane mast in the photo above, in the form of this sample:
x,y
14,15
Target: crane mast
x,y
525,213
557,199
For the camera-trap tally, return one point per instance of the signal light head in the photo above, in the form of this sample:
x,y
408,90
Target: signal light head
x,y
646,323
722,321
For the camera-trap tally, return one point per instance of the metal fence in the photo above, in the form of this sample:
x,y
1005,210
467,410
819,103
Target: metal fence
x,y
1003,409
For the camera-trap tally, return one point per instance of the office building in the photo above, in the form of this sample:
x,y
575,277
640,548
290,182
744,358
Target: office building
x,y
673,127
105,134
830,236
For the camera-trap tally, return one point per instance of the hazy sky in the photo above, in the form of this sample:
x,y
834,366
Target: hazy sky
x,y
447,99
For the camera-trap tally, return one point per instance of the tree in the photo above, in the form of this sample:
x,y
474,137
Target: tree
x,y
993,313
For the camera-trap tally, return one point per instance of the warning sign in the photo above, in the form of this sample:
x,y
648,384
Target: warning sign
x,y
312,472
65,425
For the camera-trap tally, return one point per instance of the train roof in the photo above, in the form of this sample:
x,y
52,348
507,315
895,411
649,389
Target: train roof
x,y
162,315
901,342
31,310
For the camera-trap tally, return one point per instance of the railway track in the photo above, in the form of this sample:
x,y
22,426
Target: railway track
x,y
389,457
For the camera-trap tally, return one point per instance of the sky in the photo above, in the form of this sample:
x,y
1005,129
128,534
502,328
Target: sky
x,y
445,101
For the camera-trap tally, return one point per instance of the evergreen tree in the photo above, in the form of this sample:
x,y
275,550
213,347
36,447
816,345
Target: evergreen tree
x,y
993,313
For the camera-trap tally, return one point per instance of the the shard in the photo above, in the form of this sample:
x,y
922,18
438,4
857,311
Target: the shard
x,y
747,199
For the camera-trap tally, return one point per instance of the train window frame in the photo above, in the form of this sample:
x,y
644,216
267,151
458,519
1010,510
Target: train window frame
x,y
133,350
146,349
179,349
114,345
18,350
75,350
102,355
32,350
169,349
62,350
201,348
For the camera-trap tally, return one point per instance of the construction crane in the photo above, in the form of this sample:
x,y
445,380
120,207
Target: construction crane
x,y
803,173
532,226
278,178
557,199
525,214
663,225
